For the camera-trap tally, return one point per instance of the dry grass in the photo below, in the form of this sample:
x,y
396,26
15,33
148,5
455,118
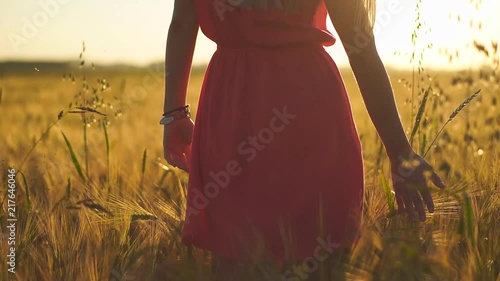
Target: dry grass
x,y
123,222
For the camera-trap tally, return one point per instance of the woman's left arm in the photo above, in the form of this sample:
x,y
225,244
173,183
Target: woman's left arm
x,y
350,19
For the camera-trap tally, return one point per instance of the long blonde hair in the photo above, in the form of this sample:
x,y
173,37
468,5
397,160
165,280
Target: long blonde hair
x,y
366,9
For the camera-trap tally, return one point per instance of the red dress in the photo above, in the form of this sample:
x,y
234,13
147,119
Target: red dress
x,y
276,160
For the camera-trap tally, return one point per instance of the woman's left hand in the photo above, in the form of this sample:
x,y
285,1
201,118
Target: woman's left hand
x,y
410,185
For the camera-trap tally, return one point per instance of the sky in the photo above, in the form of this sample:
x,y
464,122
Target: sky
x,y
133,31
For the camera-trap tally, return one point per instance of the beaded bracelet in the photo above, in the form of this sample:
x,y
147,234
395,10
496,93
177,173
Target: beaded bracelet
x,y
176,109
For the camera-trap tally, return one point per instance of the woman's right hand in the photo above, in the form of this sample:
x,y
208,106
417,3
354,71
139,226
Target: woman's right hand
x,y
177,137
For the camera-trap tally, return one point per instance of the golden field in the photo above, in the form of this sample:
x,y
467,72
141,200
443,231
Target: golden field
x,y
118,214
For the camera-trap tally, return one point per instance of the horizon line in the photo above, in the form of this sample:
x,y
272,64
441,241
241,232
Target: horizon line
x,y
205,64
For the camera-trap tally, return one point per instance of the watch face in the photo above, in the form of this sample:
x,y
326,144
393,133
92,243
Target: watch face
x,y
166,120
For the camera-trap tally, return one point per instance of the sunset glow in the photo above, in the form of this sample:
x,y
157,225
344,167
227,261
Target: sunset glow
x,y
134,32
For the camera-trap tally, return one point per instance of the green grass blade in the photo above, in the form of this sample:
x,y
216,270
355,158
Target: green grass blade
x,y
26,187
423,144
74,159
469,218
106,138
85,145
418,118
68,189
388,194
143,170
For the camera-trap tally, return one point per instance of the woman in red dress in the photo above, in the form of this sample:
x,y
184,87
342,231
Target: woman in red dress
x,y
274,159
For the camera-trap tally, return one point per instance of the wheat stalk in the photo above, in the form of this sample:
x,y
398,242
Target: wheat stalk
x,y
420,113
453,115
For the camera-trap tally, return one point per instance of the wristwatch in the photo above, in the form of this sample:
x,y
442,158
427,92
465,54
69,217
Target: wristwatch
x,y
167,120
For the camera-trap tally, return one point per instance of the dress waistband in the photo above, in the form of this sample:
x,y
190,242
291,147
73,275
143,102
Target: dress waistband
x,y
239,48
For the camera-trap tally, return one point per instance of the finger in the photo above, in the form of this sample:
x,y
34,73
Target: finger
x,y
399,201
187,152
173,160
408,205
188,156
427,166
183,163
426,195
436,180
401,204
179,160
417,202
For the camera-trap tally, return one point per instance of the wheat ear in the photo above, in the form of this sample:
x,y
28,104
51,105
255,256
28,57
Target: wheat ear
x,y
453,115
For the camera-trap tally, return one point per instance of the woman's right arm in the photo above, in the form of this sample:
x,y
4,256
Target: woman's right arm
x,y
179,53
350,19
181,42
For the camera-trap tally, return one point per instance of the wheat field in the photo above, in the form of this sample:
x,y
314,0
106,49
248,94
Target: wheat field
x,y
102,204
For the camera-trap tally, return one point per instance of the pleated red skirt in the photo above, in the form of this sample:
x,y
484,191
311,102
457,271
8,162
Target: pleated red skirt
x,y
276,161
